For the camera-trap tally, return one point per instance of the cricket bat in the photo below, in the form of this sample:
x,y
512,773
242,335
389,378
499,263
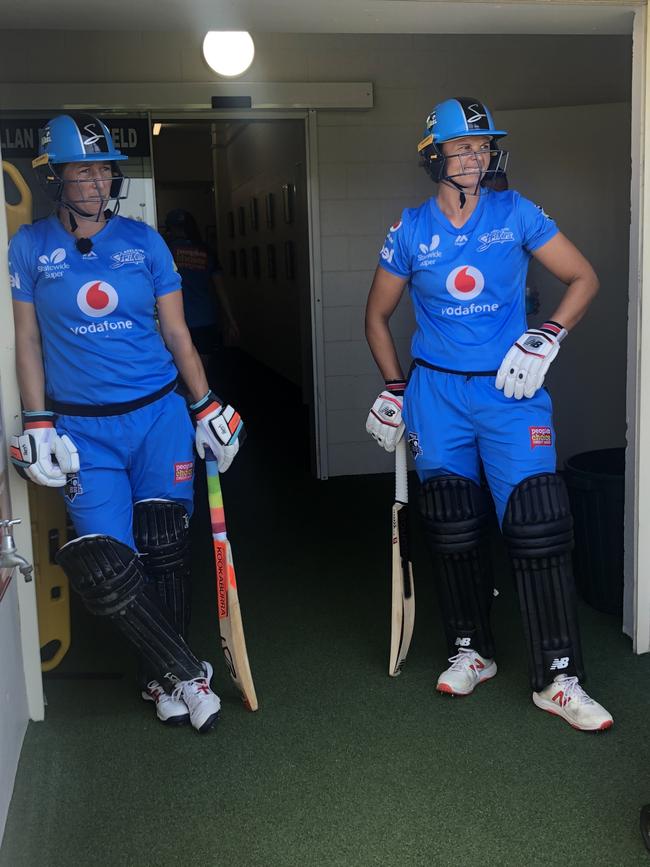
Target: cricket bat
x,y
403,591
231,627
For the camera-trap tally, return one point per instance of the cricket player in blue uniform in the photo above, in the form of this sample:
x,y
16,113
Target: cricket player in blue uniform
x,y
475,397
100,342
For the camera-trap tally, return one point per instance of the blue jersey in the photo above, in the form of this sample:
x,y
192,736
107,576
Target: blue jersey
x,y
95,311
467,285
196,266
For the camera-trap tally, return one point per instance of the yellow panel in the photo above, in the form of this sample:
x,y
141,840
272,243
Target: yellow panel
x,y
52,590
21,212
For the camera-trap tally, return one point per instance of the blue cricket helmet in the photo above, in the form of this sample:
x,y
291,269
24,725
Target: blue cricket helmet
x,y
76,138
451,119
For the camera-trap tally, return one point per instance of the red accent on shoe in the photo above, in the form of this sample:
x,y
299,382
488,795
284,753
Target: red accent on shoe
x,y
444,687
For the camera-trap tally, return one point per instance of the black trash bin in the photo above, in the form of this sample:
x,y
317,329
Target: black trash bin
x,y
596,484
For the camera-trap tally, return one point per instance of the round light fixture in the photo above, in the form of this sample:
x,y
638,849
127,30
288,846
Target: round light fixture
x,y
228,52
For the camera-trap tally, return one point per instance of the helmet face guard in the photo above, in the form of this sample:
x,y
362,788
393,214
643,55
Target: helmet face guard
x,y
457,118
78,138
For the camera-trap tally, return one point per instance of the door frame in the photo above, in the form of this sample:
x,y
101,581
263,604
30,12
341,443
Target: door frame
x,y
12,421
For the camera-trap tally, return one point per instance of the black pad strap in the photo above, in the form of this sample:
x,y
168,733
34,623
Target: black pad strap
x,y
111,581
538,529
161,532
455,514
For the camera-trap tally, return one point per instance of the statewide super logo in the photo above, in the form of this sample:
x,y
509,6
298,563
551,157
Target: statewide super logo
x,y
54,265
97,298
465,283
429,252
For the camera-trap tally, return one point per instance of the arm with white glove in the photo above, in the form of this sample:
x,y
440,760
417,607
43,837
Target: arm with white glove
x,y
384,421
219,428
40,454
526,364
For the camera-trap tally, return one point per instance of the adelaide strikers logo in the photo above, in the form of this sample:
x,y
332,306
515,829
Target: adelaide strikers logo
x,y
465,283
97,298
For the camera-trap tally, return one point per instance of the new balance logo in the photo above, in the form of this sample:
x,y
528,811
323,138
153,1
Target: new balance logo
x,y
560,662
463,642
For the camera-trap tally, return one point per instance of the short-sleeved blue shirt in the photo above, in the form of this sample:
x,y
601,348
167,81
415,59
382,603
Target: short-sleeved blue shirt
x,y
196,265
467,285
95,311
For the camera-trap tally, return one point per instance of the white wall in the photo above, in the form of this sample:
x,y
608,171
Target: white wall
x,y
367,160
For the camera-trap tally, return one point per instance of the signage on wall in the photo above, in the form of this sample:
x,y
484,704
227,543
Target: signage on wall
x,y
19,137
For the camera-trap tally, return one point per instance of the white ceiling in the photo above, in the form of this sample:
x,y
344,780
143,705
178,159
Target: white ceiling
x,y
324,16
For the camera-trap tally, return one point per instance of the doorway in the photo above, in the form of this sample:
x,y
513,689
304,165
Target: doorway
x,y
244,183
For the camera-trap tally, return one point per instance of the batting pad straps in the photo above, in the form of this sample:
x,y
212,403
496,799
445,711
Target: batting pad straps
x,y
538,530
455,515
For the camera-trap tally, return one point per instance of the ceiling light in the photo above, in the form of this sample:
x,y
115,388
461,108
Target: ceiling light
x,y
156,128
228,52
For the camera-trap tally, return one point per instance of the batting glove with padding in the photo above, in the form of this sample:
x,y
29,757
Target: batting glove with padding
x,y
40,454
525,365
384,422
219,427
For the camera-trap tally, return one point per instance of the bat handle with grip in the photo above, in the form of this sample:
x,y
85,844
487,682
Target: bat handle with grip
x,y
401,477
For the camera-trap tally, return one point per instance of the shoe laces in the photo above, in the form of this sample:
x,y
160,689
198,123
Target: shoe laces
x,y
572,690
463,659
191,690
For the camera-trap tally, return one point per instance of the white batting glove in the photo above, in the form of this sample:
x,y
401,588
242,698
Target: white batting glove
x,y
40,454
525,365
384,422
219,428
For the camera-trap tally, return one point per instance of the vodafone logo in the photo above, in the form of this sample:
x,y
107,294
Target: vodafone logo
x,y
97,298
465,283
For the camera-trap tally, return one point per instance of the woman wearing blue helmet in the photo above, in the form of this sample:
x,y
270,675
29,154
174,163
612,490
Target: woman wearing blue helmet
x,y
102,419
474,401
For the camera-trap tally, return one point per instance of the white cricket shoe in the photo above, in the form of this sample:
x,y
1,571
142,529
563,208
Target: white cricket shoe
x,y
468,668
566,698
169,710
203,704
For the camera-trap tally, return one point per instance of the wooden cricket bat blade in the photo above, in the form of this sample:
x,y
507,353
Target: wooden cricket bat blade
x,y
408,612
397,607
231,627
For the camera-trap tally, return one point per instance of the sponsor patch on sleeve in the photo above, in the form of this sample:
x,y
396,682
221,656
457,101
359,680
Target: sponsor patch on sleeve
x,y
183,471
540,436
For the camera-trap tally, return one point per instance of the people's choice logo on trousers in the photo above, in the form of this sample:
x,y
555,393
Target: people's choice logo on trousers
x,y
465,283
97,298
